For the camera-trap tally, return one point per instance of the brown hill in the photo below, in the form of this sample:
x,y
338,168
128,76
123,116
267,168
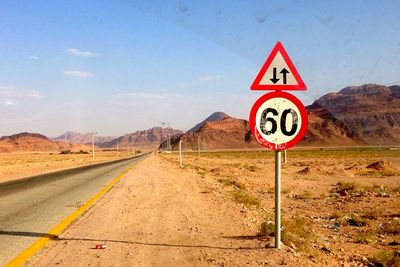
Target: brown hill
x,y
150,138
29,142
228,133
81,138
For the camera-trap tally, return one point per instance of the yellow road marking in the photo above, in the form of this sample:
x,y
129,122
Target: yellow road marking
x,y
40,243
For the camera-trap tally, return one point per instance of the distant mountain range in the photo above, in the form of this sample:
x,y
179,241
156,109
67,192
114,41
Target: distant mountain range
x,y
356,115
82,138
23,142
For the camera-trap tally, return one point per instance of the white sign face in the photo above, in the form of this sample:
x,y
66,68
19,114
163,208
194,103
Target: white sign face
x,y
278,120
278,73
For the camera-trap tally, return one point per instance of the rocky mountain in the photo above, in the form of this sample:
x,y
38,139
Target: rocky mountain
x,y
367,114
28,142
150,138
356,115
81,138
216,116
227,133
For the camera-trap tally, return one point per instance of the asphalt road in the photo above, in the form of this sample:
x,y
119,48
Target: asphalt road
x,y
31,208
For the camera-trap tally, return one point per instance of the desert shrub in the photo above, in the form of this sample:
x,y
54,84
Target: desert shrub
x,y
348,186
386,258
64,152
267,228
297,231
252,168
366,238
371,214
138,151
245,198
230,182
307,195
392,227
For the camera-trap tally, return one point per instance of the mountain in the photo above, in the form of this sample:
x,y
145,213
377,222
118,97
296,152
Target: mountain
x,y
216,116
81,138
356,115
150,138
28,142
228,133
367,114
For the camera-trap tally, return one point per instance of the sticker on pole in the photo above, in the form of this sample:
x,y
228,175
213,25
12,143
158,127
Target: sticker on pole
x,y
278,120
278,72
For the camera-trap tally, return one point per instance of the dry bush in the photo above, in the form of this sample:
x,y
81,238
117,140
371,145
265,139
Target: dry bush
x,y
392,227
245,198
386,258
230,182
252,168
366,238
297,232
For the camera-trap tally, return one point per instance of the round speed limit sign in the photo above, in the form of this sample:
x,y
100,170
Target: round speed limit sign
x,y
278,120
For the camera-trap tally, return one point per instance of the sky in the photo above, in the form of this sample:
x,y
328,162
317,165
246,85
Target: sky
x,y
115,67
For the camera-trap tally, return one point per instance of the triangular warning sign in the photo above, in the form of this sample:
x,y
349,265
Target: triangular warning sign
x,y
278,73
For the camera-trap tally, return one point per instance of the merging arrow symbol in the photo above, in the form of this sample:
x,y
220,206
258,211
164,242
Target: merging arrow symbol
x,y
284,72
274,79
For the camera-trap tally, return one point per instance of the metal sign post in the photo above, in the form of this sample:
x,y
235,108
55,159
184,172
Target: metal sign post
x,y
278,199
180,154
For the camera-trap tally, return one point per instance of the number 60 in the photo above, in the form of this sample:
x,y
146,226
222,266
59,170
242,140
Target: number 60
x,y
274,126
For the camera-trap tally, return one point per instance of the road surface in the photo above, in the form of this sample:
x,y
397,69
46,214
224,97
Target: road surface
x,y
30,208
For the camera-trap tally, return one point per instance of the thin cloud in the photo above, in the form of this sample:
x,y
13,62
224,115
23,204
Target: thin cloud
x,y
78,74
33,57
80,53
11,92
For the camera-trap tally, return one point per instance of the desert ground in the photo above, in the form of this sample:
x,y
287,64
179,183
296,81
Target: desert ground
x,y
339,208
22,164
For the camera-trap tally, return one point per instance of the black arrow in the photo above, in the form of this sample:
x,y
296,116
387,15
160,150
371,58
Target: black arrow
x,y
284,72
274,80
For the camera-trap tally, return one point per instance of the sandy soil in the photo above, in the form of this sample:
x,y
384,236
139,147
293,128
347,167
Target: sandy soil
x,y
160,215
210,213
18,165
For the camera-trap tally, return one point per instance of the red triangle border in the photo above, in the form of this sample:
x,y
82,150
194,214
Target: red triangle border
x,y
278,48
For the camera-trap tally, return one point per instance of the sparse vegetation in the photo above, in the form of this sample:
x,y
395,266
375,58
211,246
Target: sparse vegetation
x,y
297,232
252,168
386,258
366,238
306,195
245,198
230,182
392,227
267,228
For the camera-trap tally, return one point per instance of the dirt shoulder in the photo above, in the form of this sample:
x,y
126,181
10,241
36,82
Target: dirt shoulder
x,y
160,215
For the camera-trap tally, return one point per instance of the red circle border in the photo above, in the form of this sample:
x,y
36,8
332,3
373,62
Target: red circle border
x,y
303,114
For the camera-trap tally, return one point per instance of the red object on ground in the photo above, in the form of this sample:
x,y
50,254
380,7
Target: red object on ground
x,y
100,246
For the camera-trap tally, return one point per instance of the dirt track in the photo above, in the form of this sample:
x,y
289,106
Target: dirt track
x,y
160,215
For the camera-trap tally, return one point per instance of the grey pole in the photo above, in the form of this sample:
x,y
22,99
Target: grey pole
x,y
92,145
278,199
180,154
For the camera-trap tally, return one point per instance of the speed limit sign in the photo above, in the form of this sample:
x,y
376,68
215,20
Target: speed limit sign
x,y
278,120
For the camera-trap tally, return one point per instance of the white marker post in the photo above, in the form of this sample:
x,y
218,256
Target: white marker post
x,y
278,199
284,156
180,154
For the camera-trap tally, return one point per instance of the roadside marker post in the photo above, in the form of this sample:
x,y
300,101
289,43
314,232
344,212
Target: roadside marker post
x,y
278,120
180,154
